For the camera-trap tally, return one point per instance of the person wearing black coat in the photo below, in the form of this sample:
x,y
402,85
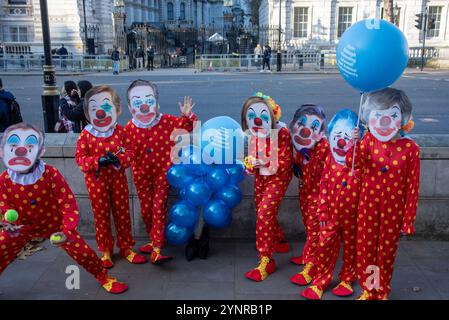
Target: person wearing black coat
x,y
76,114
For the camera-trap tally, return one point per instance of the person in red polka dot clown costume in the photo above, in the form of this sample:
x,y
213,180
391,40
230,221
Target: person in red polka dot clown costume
x,y
149,133
43,204
270,160
338,203
311,149
390,165
102,154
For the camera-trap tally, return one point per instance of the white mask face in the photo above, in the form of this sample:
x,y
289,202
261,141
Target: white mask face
x,y
385,124
21,150
102,112
258,120
143,105
340,140
306,132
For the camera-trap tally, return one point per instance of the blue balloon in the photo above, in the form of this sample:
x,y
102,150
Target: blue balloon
x,y
178,176
217,214
182,194
217,178
198,192
372,54
230,194
236,173
191,158
183,214
176,234
221,140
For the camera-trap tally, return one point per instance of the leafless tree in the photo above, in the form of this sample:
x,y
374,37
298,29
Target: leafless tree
x,y
388,11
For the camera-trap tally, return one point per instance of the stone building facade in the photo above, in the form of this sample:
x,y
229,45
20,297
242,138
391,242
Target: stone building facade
x,y
320,23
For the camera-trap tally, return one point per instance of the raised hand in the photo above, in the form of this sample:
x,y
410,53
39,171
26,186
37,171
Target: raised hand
x,y
186,107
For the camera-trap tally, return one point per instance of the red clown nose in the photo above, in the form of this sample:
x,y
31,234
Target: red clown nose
x,y
100,114
258,121
305,132
341,143
21,151
385,121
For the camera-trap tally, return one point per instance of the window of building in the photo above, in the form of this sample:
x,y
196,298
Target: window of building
x,y
300,21
182,11
435,13
16,2
18,34
344,19
170,13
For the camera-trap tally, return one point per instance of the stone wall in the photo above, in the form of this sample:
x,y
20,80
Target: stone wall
x,y
433,212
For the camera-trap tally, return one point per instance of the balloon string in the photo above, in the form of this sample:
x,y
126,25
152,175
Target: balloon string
x,y
358,124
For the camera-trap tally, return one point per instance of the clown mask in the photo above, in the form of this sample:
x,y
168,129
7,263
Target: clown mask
x,y
340,140
259,120
102,112
21,150
143,105
307,131
385,124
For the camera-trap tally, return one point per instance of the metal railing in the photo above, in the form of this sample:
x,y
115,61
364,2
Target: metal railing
x,y
316,60
35,62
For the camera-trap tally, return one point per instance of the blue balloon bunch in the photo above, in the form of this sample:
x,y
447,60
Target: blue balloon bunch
x,y
212,186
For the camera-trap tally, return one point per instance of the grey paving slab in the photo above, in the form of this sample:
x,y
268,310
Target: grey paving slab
x,y
200,290
436,271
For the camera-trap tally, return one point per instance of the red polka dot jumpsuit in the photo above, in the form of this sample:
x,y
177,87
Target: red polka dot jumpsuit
x,y
388,203
44,207
311,173
270,189
151,149
338,202
109,192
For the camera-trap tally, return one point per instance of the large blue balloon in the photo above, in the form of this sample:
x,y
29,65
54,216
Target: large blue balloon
x,y
236,172
183,214
217,214
372,54
222,140
198,193
217,178
191,158
230,194
176,234
178,176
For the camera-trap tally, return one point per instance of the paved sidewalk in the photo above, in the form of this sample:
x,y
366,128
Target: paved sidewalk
x,y
421,273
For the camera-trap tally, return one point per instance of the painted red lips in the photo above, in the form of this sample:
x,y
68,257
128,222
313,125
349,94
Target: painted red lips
x,y
145,117
340,152
19,161
384,132
102,122
301,141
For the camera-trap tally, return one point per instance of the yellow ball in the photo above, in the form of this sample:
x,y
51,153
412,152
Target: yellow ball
x,y
54,238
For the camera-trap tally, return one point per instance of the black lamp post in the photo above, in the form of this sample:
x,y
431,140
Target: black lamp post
x,y
50,95
85,28
279,53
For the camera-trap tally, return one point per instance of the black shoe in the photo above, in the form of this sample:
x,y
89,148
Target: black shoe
x,y
203,244
191,249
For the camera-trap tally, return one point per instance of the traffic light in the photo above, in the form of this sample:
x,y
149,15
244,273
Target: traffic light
x,y
419,20
431,23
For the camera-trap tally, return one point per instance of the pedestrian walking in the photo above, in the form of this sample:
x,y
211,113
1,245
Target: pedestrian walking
x,y
9,109
140,58
63,53
258,54
115,56
150,58
76,114
266,58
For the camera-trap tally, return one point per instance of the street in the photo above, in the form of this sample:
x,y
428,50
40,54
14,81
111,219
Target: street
x,y
218,94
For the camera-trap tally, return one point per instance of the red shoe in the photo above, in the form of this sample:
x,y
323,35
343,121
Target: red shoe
x,y
344,289
266,267
158,258
312,293
147,248
106,260
132,257
304,277
297,260
282,247
112,285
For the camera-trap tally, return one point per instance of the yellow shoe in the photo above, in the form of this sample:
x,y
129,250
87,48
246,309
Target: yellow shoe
x,y
312,293
344,289
132,256
364,296
304,277
107,260
266,267
112,285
